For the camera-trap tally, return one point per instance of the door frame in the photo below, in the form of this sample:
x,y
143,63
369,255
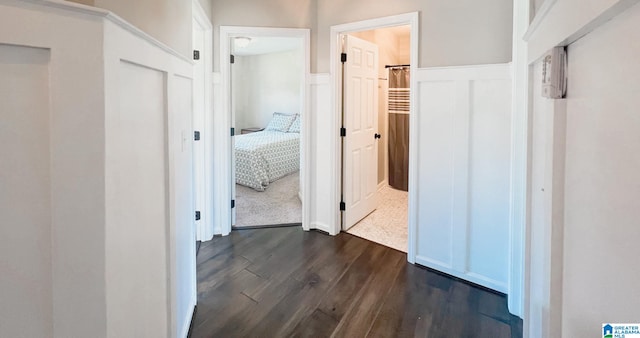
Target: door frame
x,y
204,231
411,19
223,177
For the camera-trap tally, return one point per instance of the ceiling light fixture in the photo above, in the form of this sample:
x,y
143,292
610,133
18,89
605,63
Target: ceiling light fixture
x,y
242,41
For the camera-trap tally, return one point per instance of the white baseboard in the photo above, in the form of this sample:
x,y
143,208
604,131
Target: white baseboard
x,y
187,320
321,227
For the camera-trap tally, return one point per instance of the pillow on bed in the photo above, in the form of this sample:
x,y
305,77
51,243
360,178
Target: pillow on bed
x,y
295,126
280,122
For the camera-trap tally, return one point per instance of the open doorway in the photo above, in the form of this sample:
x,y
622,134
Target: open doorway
x,y
267,88
382,174
294,114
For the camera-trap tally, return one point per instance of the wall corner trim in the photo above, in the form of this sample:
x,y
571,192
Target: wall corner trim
x,y
108,15
540,15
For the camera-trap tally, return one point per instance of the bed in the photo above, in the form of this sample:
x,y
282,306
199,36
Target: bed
x,y
265,156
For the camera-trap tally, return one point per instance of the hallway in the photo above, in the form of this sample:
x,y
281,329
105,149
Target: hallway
x,y
284,282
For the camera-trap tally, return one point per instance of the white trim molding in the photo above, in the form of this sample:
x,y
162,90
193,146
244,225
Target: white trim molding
x,y
555,25
95,11
206,230
519,149
540,14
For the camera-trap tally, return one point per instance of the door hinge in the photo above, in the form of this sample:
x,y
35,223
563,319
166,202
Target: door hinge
x,y
196,135
233,131
343,132
343,57
232,59
197,215
343,206
233,204
196,55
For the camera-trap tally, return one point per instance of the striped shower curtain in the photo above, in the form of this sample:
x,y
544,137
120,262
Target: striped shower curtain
x,y
399,80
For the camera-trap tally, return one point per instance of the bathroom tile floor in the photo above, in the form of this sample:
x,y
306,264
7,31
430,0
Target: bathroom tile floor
x,y
387,225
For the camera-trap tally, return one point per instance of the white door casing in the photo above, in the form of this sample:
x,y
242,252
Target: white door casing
x,y
202,39
198,126
224,178
232,107
361,122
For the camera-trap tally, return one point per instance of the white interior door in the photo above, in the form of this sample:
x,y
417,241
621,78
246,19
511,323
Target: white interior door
x,y
198,126
360,97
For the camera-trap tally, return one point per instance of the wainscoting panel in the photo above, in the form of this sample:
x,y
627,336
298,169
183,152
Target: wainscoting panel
x,y
182,212
321,216
464,172
435,193
25,192
149,109
140,212
489,172
94,231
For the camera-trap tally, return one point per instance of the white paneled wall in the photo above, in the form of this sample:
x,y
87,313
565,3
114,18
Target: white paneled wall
x,y
25,192
96,169
464,159
464,172
321,217
149,107
136,176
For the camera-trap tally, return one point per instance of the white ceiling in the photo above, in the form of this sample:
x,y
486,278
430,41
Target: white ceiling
x,y
267,45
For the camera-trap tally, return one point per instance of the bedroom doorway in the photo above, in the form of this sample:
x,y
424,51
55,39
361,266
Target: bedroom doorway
x,y
266,78
266,101
387,221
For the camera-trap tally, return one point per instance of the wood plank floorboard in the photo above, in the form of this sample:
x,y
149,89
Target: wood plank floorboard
x,y
284,282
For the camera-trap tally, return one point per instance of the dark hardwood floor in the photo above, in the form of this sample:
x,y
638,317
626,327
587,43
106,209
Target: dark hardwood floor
x,y
284,282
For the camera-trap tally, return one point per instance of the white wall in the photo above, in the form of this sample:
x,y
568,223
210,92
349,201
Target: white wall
x,y
168,21
584,156
105,251
25,197
150,230
546,195
452,33
464,172
136,189
602,189
75,192
264,84
319,114
207,5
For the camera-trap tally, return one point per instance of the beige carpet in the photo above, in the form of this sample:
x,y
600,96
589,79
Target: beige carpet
x,y
388,225
278,204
